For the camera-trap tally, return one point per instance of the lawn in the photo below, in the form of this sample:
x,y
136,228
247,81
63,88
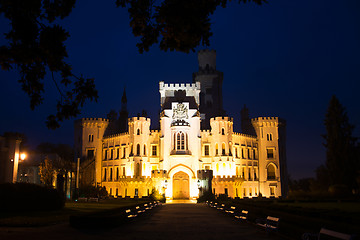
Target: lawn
x,y
33,219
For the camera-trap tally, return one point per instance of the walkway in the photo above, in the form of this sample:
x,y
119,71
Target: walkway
x,y
171,221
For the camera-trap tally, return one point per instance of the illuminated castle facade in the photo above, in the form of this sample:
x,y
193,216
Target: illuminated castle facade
x,y
195,150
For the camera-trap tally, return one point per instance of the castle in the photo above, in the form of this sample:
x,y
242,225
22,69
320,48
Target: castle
x,y
195,150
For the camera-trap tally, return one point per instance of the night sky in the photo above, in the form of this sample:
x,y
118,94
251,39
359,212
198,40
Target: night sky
x,y
285,58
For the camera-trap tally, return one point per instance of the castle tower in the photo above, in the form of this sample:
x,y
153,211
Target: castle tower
x,y
270,132
211,104
246,126
89,133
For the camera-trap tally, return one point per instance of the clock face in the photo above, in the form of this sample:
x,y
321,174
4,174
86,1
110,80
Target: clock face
x,y
180,111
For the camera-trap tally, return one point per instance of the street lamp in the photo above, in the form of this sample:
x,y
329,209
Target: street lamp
x,y
22,156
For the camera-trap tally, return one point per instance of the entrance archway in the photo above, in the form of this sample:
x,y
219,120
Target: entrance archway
x,y
181,187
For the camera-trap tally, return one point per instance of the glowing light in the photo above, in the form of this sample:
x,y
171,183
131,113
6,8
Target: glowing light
x,y
22,156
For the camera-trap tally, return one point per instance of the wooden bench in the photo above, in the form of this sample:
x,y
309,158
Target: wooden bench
x,y
82,199
242,215
270,223
325,234
93,199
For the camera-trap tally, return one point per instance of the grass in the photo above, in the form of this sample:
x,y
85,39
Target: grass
x,y
346,207
43,218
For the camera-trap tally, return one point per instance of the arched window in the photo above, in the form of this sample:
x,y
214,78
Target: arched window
x,y
182,143
271,172
216,149
222,131
178,141
144,150
138,132
223,149
138,150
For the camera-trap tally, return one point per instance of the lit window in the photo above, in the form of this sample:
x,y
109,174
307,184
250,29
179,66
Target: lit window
x,y
223,149
272,191
206,150
154,150
216,149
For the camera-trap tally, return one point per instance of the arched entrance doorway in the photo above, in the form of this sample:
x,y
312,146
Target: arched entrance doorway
x,y
181,189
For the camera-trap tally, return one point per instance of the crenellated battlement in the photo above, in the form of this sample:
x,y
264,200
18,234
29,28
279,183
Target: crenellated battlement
x,y
204,174
179,86
276,119
244,135
143,119
92,122
224,178
116,135
230,119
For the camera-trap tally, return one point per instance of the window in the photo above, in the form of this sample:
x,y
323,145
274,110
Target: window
x,y
244,192
243,173
106,154
111,154
254,154
236,153
255,175
269,137
138,150
117,192
136,192
117,175
250,192
138,132
271,172
242,153
110,191
117,153
272,191
270,153
207,167
216,149
91,137
249,174
222,131
206,150
124,152
111,174
223,149
144,150
248,153
181,141
123,171
226,191
104,178
90,154
154,150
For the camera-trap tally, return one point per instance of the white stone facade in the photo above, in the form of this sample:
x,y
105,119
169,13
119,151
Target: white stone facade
x,y
172,158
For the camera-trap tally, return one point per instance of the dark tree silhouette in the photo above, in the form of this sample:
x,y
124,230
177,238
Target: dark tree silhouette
x,y
36,43
341,161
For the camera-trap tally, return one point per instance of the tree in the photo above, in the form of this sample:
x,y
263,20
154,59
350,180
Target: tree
x,y
46,172
36,43
340,146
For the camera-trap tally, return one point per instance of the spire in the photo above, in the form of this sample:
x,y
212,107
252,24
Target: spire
x,y
124,101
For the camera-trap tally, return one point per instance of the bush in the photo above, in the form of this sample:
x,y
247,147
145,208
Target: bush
x,y
20,197
91,191
155,195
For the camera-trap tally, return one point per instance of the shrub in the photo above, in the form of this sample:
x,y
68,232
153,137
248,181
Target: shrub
x,y
206,196
91,191
155,195
20,197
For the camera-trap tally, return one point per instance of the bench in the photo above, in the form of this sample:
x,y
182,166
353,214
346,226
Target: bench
x,y
242,215
270,223
93,199
325,234
82,199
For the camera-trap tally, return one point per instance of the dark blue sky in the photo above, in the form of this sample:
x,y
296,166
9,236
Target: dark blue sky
x,y
285,58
